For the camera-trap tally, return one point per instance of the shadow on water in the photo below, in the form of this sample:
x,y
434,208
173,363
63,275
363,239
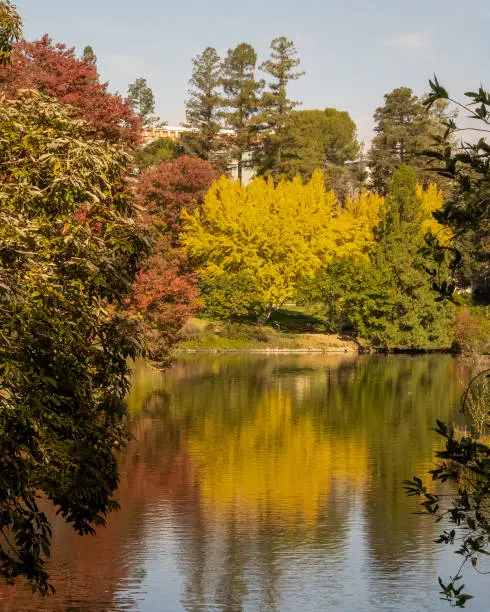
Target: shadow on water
x,y
266,482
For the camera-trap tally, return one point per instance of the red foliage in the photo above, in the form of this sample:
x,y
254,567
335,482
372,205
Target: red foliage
x,y
166,189
56,71
166,291
164,294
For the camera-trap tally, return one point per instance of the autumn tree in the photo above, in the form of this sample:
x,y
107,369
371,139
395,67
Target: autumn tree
x,y
54,70
387,298
166,288
276,106
270,237
241,102
203,106
71,246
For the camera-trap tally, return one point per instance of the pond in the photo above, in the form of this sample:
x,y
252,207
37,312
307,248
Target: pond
x,y
269,483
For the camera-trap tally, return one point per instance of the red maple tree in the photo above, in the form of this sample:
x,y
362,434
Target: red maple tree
x,y
166,289
55,70
166,189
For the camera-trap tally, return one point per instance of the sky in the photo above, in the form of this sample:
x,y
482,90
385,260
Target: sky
x,y
353,51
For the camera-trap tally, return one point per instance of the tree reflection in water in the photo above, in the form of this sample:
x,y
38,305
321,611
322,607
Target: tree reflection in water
x,y
267,482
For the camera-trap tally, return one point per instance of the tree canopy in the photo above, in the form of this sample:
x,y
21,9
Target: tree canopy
x,y
241,101
275,105
264,239
71,246
315,139
404,129
10,30
54,69
142,102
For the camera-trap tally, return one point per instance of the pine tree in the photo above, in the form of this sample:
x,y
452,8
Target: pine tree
x,y
143,102
414,319
242,99
403,128
276,105
89,55
203,105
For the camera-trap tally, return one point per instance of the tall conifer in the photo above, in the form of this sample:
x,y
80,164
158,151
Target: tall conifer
x,y
203,105
276,106
143,102
414,318
241,102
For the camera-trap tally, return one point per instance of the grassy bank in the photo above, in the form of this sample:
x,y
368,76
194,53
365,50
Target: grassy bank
x,y
288,331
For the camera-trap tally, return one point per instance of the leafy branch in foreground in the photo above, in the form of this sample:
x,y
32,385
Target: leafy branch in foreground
x,y
465,462
10,30
467,213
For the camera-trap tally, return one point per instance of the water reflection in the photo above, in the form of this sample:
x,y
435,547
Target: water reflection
x,y
262,483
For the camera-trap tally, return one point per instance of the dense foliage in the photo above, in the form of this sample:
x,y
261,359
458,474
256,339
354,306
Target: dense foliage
x,y
54,70
257,243
390,301
467,213
465,460
404,127
70,249
166,289
10,30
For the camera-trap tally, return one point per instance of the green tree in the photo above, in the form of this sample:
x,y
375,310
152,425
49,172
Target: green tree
x,y
341,142
465,459
325,140
403,130
242,99
304,144
276,106
161,149
89,55
467,212
350,296
10,30
203,106
416,319
143,102
71,246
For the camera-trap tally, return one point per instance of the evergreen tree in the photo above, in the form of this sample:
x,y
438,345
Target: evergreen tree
x,y
314,139
403,129
414,318
89,55
203,105
242,101
143,102
276,105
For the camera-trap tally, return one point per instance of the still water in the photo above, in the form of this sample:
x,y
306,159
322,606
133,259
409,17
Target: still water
x,y
269,483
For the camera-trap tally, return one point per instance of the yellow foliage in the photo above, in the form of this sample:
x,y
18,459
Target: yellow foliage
x,y
274,463
280,234
431,199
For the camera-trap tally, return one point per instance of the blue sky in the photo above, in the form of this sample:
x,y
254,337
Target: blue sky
x,y
353,51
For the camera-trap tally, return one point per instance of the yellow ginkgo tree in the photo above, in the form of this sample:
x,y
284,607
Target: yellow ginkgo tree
x,y
260,241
